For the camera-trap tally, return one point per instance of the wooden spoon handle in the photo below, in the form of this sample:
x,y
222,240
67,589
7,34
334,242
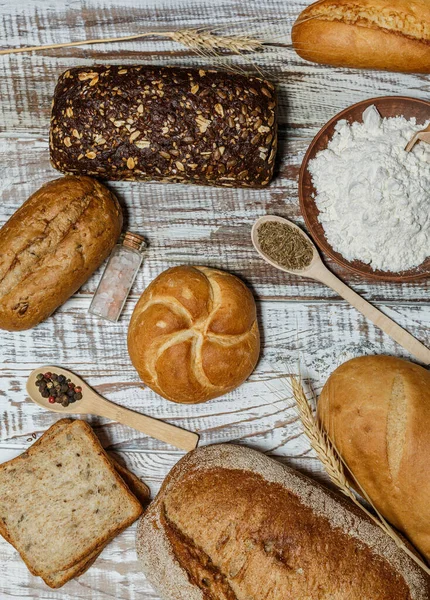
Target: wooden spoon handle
x,y
180,438
400,335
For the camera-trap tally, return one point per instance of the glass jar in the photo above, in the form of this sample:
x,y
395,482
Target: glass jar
x,y
118,277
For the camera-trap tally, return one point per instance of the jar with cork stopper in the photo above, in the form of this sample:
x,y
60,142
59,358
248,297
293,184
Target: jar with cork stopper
x,y
118,277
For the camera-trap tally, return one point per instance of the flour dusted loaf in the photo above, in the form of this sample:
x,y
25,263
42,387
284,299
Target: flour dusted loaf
x,y
377,411
51,246
392,35
62,501
164,123
232,524
193,334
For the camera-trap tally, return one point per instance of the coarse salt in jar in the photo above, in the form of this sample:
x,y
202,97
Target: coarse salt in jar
x,y
118,277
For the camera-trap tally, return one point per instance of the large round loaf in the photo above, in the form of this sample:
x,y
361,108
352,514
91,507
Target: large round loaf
x,y
193,334
377,411
51,246
230,523
392,35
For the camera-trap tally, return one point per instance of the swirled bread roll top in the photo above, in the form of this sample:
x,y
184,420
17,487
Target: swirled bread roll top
x,y
377,411
51,246
165,123
193,334
392,35
229,523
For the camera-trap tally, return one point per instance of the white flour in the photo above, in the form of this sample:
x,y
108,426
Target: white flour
x,y
373,197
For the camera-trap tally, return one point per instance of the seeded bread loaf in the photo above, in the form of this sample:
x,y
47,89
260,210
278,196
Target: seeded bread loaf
x,y
164,123
392,35
232,524
377,411
51,246
62,500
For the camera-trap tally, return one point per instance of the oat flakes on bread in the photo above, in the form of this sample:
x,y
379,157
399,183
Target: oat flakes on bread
x,y
70,478
232,523
392,35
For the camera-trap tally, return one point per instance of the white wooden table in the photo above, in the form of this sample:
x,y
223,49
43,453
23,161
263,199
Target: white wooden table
x,y
183,224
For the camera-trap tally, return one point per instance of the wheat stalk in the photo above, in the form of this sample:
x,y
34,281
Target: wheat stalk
x,y
202,41
335,466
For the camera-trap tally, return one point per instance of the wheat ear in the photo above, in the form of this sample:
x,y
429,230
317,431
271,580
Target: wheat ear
x,y
202,41
335,466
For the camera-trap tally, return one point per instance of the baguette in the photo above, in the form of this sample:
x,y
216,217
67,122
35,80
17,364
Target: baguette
x,y
392,35
63,485
376,409
164,123
230,523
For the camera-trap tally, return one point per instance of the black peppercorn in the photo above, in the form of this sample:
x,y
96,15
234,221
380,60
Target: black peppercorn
x,y
78,396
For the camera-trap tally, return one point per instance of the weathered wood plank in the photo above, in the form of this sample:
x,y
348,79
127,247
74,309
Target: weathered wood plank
x,y
182,222
321,335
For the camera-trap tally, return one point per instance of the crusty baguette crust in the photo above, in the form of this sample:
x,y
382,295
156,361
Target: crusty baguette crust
x,y
203,538
129,504
377,411
51,246
372,34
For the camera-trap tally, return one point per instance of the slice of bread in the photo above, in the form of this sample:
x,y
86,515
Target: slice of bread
x,y
62,500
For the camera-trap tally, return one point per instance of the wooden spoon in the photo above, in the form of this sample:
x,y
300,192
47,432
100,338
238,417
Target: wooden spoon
x,y
94,404
423,135
318,271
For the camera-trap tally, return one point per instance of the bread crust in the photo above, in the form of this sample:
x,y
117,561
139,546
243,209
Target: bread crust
x,y
166,123
19,467
372,34
229,523
194,334
377,411
52,245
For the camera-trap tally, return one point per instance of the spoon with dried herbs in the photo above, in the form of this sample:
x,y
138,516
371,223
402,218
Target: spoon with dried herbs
x,y
285,246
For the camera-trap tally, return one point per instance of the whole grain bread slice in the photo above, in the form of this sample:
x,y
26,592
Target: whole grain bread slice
x,y
62,500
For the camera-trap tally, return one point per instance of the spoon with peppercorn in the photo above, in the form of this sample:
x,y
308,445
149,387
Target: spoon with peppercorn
x,y
285,246
61,391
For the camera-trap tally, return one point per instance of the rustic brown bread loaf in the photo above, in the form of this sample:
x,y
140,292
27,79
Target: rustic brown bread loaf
x,y
165,123
230,523
392,35
62,500
377,411
51,246
193,334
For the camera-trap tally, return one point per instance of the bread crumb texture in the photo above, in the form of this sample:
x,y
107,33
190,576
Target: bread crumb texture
x,y
231,524
411,19
62,500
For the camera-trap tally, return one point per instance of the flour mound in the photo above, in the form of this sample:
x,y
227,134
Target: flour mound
x,y
373,197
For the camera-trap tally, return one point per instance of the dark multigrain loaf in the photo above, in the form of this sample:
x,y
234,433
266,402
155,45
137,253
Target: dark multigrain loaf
x,y
51,246
164,123
230,523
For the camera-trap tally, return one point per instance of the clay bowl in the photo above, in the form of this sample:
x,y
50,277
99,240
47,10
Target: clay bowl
x,y
388,106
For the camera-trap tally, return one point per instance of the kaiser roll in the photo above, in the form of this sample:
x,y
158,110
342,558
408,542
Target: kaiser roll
x,y
376,409
193,334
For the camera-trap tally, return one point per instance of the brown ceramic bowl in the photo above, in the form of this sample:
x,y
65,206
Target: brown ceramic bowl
x,y
388,106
